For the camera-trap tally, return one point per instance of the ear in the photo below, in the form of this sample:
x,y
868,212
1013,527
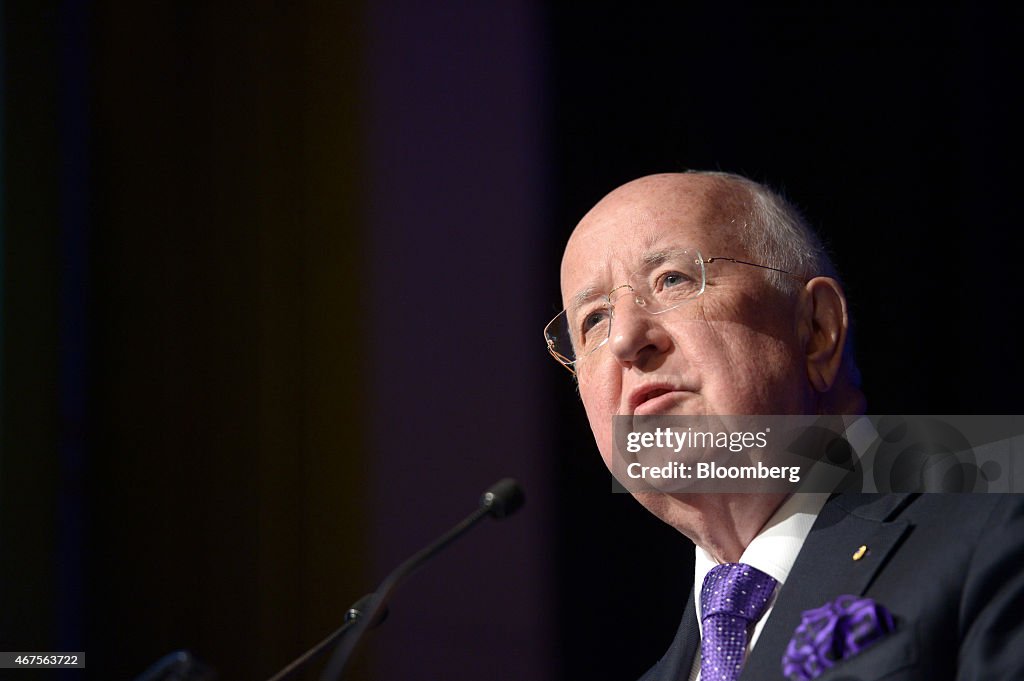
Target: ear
x,y
823,327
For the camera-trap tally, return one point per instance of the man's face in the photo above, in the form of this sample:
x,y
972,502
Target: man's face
x,y
733,350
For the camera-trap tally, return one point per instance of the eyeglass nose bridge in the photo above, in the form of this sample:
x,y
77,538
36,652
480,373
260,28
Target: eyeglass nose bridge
x,y
616,294
637,298
641,302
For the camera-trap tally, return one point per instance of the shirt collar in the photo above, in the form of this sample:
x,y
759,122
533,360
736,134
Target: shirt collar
x,y
775,548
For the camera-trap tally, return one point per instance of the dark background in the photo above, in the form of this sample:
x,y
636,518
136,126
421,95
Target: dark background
x,y
274,277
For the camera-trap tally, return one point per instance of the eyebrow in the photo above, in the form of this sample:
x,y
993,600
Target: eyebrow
x,y
655,258
583,296
649,260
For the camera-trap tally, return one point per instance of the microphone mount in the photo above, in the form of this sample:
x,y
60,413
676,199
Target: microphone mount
x,y
501,500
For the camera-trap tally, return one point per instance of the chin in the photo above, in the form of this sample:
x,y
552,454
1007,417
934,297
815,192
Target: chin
x,y
661,506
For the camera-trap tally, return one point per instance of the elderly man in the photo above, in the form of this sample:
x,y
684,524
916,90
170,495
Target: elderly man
x,y
705,293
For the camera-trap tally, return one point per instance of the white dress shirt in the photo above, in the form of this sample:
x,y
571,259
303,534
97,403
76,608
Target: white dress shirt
x,y
773,551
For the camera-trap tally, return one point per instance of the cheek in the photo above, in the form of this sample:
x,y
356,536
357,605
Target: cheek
x,y
775,383
600,400
599,386
744,370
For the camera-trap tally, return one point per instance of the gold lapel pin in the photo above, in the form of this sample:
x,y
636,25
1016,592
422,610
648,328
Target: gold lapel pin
x,y
861,552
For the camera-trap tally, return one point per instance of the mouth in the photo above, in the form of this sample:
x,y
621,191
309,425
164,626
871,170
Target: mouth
x,y
654,399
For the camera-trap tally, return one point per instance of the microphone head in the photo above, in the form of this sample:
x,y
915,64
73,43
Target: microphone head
x,y
504,498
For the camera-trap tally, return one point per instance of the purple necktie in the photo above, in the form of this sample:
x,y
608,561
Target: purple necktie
x,y
734,597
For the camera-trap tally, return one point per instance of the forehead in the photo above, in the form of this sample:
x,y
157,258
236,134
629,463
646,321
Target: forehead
x,y
641,218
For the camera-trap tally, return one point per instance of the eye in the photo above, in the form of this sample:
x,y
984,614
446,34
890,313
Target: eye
x,y
595,318
672,279
593,327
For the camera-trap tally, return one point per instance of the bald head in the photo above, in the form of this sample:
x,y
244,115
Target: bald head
x,y
754,221
665,199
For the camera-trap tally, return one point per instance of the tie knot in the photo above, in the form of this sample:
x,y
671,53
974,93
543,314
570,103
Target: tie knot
x,y
736,589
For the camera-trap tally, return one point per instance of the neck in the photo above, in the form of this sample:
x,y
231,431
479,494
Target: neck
x,y
721,524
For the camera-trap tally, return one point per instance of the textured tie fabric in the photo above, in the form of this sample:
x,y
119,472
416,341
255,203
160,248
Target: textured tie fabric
x,y
733,597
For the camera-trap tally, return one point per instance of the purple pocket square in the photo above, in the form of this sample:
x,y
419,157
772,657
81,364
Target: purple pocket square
x,y
832,633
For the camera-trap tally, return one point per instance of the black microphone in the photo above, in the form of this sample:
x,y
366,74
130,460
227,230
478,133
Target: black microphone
x,y
504,498
501,500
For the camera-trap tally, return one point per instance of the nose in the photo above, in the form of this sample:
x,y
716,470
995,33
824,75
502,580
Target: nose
x,y
637,337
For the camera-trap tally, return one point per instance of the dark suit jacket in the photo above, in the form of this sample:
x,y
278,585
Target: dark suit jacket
x,y
950,568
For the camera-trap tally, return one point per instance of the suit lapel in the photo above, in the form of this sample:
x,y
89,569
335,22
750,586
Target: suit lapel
x,y
825,569
675,665
689,639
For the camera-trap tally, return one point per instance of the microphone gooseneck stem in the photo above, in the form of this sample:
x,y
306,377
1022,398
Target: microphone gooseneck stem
x,y
501,500
344,651
353,616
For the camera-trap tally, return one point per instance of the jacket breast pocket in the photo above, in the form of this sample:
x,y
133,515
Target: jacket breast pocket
x,y
886,659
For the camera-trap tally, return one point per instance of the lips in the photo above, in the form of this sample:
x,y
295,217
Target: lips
x,y
652,398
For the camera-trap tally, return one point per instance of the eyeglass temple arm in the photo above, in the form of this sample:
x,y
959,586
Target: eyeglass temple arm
x,y
564,361
752,264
